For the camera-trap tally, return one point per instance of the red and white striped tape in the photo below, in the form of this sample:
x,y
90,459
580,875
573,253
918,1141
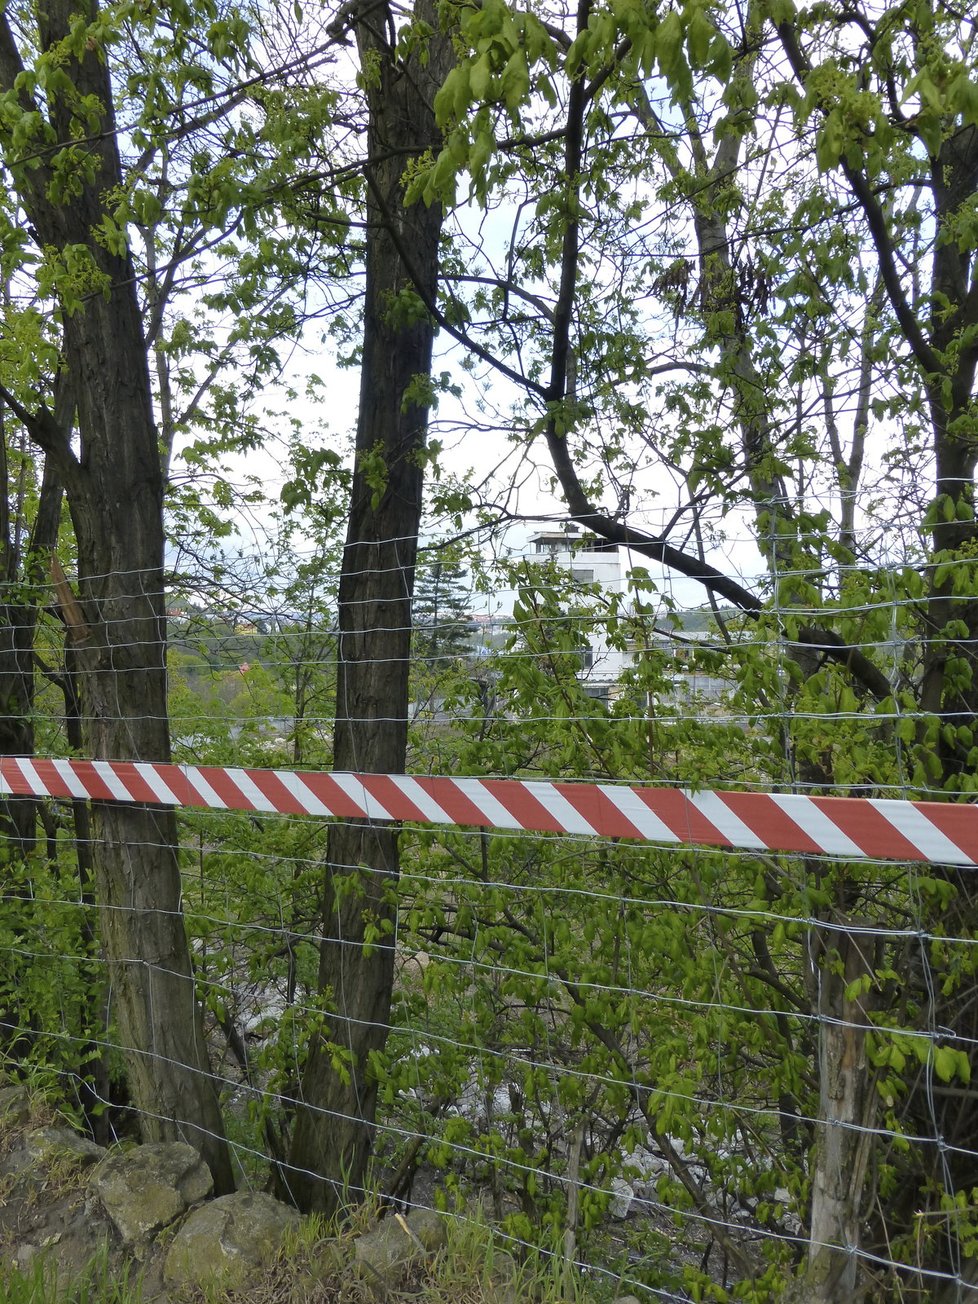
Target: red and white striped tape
x,y
855,828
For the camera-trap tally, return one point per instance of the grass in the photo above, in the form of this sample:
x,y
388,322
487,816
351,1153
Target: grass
x,y
319,1266
98,1283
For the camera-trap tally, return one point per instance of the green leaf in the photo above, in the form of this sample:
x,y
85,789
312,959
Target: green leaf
x,y
700,35
147,207
480,78
515,81
668,40
945,1062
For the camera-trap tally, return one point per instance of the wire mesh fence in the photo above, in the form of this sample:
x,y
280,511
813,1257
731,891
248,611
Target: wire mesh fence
x,y
673,1068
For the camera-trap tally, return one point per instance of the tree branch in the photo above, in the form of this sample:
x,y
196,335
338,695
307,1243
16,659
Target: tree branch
x,y
432,307
43,427
875,220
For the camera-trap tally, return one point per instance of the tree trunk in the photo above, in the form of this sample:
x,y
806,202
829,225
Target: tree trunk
x,y
847,1110
18,815
335,1126
116,507
114,489
18,623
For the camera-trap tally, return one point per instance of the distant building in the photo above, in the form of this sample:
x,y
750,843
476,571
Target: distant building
x,y
588,560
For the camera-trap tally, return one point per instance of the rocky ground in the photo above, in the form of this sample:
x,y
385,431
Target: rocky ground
x,y
81,1223
143,1220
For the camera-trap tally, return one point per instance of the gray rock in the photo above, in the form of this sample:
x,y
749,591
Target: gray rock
x,y
644,1163
226,1239
622,1198
48,1152
506,1284
145,1189
430,1228
24,1256
385,1252
15,1105
60,1145
62,1224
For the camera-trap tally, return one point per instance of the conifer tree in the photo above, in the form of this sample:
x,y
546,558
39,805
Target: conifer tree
x,y
440,615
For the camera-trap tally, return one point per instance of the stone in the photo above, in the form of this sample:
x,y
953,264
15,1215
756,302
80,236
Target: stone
x,y
506,1284
24,1256
644,1163
15,1105
54,1146
622,1198
61,1223
48,1152
147,1188
224,1241
395,1243
430,1228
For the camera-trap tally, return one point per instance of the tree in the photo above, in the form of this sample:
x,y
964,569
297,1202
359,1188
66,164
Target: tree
x,y
58,93
440,612
334,1129
707,272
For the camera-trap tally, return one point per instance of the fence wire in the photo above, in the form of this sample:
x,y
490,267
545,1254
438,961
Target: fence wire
x,y
661,1030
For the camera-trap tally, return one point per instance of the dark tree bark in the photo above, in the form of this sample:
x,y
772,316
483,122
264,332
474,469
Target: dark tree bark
x,y
335,1126
27,560
23,551
18,622
114,490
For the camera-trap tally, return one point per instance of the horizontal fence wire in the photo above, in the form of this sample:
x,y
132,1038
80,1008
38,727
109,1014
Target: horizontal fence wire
x,y
627,928
722,1135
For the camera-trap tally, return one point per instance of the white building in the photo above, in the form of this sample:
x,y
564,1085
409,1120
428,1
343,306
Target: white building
x,y
588,560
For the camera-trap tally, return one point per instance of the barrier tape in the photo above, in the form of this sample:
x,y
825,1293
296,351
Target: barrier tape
x,y
852,827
